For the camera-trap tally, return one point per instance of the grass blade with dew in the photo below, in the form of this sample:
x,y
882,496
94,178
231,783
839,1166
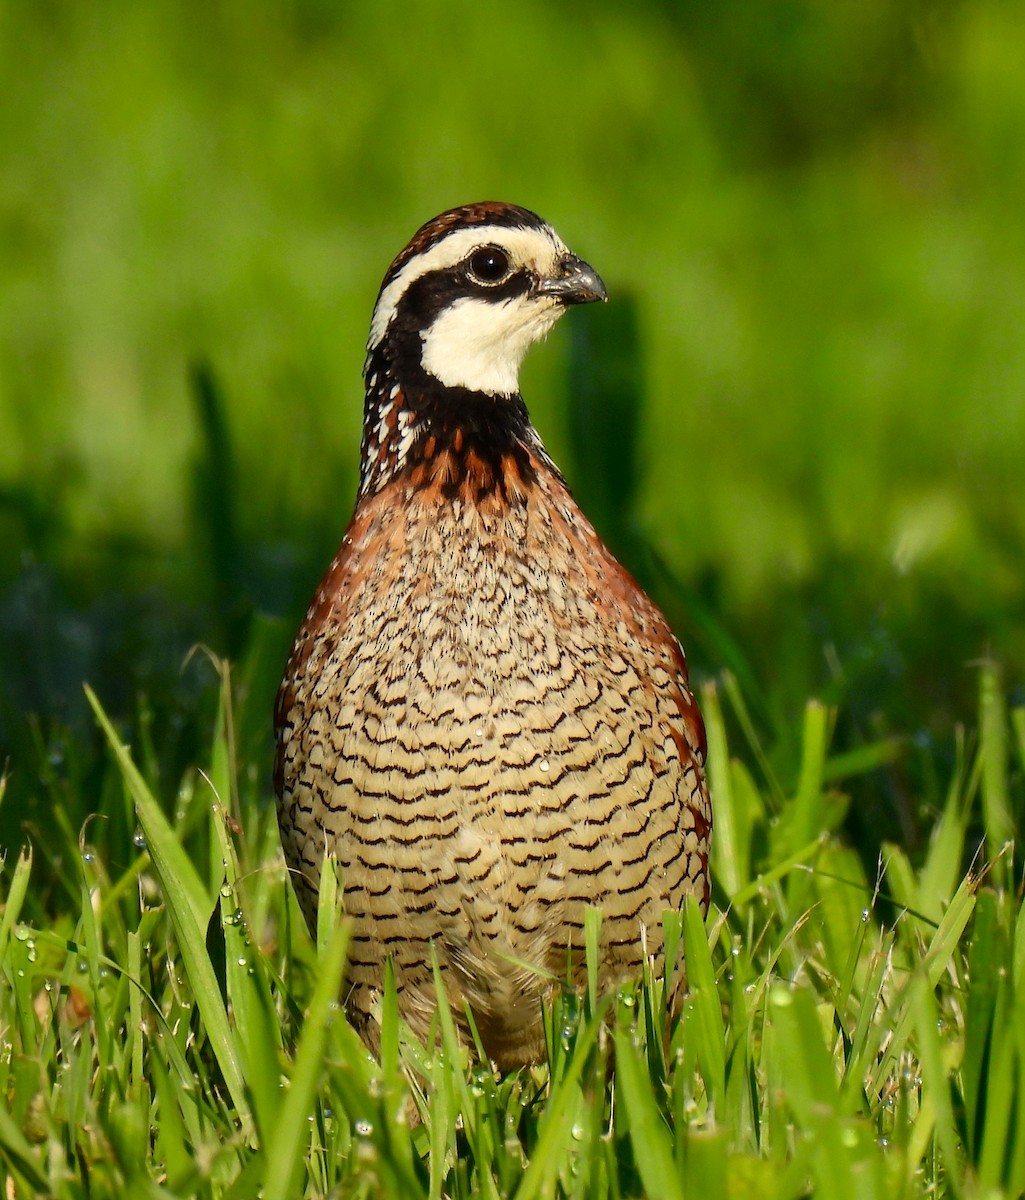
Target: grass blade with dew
x,y
651,1136
188,906
285,1150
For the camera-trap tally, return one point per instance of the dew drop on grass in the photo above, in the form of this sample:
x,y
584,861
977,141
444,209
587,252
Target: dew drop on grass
x,y
482,1083
226,891
23,933
139,840
363,1129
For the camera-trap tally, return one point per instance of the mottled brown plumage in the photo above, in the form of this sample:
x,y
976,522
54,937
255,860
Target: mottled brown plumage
x,y
484,719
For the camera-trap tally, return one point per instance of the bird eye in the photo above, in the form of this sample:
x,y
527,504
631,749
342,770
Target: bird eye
x,y
489,264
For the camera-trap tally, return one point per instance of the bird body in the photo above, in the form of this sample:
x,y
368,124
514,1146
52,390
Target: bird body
x,y
484,719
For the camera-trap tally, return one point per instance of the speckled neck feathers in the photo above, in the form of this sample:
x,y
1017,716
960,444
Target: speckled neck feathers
x,y
443,355
415,427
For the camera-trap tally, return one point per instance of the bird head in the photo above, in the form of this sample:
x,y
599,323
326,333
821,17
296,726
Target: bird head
x,y
472,291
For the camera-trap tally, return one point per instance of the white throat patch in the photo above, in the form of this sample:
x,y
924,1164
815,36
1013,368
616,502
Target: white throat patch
x,y
480,344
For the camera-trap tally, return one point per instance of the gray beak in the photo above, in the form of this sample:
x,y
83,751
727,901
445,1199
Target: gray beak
x,y
574,282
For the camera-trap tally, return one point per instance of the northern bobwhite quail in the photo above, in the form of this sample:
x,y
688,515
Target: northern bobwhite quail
x,y
484,719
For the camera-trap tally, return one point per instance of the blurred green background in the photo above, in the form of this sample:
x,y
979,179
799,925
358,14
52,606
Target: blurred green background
x,y
800,421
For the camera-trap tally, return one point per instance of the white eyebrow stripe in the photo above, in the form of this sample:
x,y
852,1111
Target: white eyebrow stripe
x,y
523,244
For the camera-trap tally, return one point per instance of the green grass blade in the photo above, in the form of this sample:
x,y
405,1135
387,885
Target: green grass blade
x,y
728,848
188,907
651,1137
701,1028
1019,952
936,963
996,802
935,1078
802,1069
801,821
285,1150
15,898
258,1033
555,1130
986,970
1018,725
329,902
138,1080
731,686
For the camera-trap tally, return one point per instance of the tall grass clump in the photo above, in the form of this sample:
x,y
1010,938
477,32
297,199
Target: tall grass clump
x,y
846,1029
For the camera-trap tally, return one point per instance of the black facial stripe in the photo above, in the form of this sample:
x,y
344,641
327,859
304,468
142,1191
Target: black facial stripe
x,y
428,296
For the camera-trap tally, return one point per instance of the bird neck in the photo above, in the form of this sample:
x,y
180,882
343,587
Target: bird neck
x,y
466,444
